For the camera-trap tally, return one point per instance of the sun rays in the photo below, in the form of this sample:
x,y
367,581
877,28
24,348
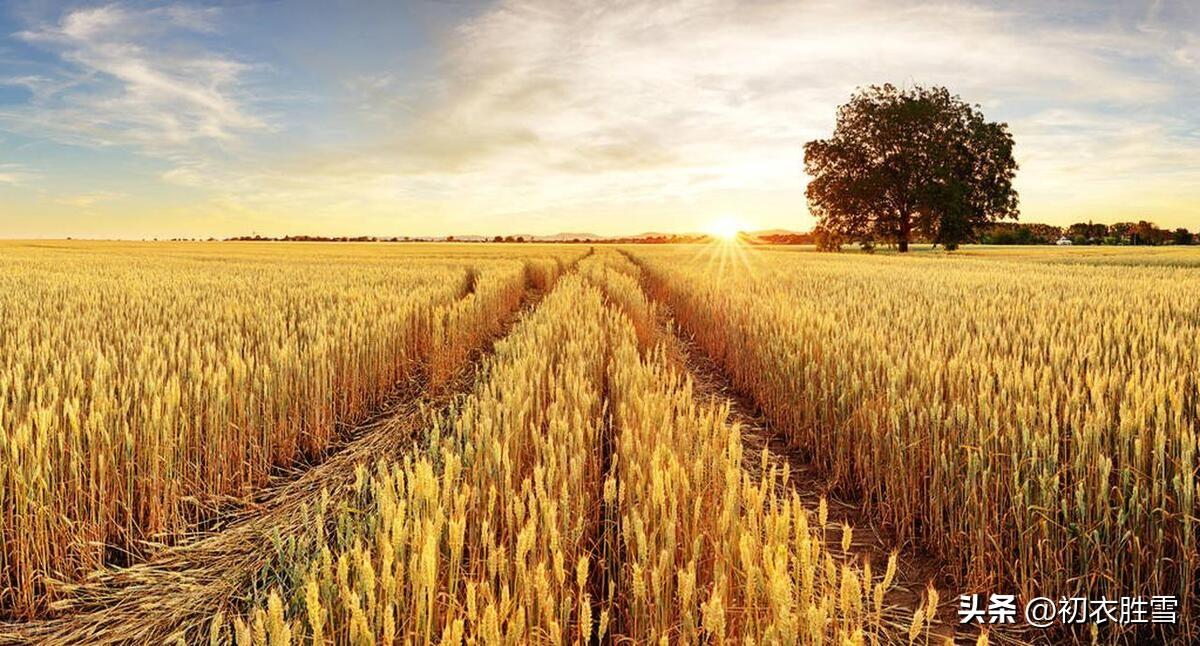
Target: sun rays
x,y
725,228
730,249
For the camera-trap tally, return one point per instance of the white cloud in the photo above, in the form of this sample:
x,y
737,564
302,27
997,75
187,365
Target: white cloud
x,y
16,175
548,108
560,105
133,77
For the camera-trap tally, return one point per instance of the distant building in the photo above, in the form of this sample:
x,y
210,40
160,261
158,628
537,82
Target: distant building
x,y
1064,242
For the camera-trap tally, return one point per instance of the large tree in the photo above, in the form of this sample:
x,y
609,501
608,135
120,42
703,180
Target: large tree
x,y
907,163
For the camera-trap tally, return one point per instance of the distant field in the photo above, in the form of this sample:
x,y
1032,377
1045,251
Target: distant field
x,y
358,443
1188,256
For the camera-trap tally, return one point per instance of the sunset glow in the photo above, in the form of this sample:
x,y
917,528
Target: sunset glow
x,y
135,119
725,228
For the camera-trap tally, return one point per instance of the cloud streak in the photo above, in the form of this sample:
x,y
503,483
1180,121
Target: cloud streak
x,y
133,77
616,116
572,104
16,175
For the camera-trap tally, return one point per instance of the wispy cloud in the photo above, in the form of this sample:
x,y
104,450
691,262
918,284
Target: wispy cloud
x,y
16,175
570,104
559,112
134,77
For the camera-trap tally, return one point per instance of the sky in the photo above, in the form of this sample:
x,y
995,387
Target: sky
x,y
372,117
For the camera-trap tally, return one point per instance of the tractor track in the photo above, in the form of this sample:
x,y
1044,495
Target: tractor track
x,y
174,593
871,541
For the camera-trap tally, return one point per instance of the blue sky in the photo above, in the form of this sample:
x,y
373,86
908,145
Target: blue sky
x,y
139,119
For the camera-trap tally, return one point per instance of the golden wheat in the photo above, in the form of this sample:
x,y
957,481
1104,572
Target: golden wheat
x,y
540,511
486,534
143,385
1035,425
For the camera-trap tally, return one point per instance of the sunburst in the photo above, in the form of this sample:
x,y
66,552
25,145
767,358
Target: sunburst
x,y
725,228
730,249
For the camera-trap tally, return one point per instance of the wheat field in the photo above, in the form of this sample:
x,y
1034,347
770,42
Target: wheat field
x,y
1025,421
545,520
140,386
1033,424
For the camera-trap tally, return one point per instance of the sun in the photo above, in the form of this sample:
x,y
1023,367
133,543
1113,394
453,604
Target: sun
x,y
725,228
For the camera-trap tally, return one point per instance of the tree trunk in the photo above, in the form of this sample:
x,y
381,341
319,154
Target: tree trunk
x,y
903,245
905,230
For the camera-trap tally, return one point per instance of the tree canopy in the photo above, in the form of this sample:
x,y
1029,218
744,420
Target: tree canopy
x,y
911,162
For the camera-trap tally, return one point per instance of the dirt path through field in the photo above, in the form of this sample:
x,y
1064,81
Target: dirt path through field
x,y
174,594
915,569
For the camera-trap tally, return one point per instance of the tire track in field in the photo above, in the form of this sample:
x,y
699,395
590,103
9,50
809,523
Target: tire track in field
x,y
765,447
174,594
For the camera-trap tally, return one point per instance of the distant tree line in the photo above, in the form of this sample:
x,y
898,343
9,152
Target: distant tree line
x,y
259,238
1087,233
1012,233
655,239
787,238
